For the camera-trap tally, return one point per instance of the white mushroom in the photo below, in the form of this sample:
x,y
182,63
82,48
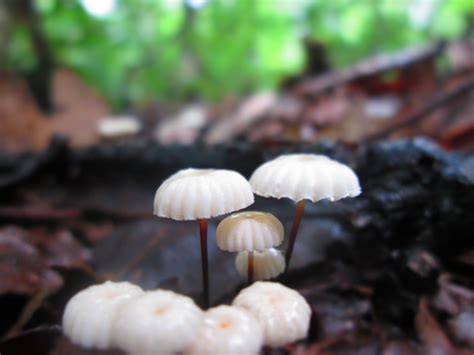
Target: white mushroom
x,y
90,314
192,194
158,322
303,177
283,313
249,231
199,194
228,330
266,265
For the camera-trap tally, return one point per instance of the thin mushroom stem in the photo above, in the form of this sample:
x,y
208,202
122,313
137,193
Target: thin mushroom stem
x,y
204,262
294,231
250,268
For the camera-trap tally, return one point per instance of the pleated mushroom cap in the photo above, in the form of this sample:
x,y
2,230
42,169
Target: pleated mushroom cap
x,y
192,194
89,315
158,322
250,231
266,265
282,312
305,176
228,330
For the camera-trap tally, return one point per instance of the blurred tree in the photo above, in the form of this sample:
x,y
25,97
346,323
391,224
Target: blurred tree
x,y
174,50
30,51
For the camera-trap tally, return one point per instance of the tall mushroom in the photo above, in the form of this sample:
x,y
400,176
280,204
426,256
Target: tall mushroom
x,y
302,177
200,194
249,231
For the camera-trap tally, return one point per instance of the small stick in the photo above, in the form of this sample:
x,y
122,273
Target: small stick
x,y
28,311
204,262
294,231
250,268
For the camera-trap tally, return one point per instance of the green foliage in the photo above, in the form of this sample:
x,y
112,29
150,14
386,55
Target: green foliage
x,y
148,49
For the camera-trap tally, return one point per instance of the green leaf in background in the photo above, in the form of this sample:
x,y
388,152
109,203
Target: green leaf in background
x,y
175,50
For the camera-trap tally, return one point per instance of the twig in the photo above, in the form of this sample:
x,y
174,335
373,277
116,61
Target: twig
x,y
372,66
28,311
420,114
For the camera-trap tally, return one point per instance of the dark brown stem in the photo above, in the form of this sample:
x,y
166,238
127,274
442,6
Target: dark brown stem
x,y
204,262
250,268
294,231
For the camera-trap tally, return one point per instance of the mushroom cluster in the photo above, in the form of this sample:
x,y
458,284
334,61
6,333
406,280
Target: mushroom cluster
x,y
200,194
123,316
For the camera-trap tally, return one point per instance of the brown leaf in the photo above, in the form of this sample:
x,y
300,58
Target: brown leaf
x,y
452,297
23,127
27,258
430,332
401,347
23,269
462,326
60,248
78,109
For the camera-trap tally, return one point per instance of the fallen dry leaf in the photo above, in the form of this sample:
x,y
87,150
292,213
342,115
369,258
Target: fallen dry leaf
x,y
434,339
23,268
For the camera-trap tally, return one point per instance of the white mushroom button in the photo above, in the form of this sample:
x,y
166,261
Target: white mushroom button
x,y
266,265
305,176
192,194
249,231
120,126
89,315
228,330
158,322
283,313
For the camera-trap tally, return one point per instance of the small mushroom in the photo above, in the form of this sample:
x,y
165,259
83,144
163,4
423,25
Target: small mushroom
x,y
282,312
266,265
228,330
89,315
302,177
158,322
200,194
249,231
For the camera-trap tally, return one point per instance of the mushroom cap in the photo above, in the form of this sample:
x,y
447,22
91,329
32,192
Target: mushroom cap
x,y
89,315
283,313
157,322
250,231
228,330
305,176
192,194
266,265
